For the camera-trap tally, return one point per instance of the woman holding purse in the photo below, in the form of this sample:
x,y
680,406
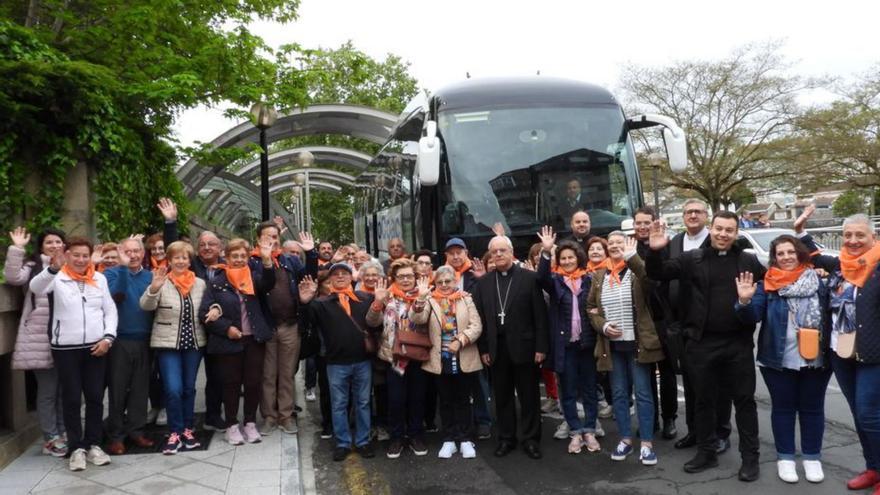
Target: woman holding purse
x,y
791,351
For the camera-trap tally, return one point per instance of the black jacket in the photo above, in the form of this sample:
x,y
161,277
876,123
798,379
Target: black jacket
x,y
220,292
525,326
692,269
342,339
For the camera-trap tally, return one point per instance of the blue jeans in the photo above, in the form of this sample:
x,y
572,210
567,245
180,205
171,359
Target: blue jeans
x,y
860,384
355,378
625,374
578,381
178,370
797,395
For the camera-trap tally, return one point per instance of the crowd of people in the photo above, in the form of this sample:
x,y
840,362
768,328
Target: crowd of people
x,y
607,324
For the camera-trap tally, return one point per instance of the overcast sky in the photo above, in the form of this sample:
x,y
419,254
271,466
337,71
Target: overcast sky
x,y
584,40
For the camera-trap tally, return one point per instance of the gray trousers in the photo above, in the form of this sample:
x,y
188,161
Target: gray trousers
x,y
128,377
49,408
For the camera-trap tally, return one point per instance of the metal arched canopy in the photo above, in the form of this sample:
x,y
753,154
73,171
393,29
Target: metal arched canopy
x,y
241,192
324,155
351,120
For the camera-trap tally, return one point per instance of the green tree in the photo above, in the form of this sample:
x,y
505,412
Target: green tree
x,y
848,203
736,112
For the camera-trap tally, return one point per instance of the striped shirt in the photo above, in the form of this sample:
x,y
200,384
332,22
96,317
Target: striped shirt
x,y
617,304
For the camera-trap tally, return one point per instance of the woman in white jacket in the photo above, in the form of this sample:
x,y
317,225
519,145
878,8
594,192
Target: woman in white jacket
x,y
32,350
82,327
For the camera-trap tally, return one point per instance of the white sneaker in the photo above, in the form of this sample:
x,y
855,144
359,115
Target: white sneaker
x,y
97,456
447,450
152,415
467,450
162,418
310,395
813,471
600,432
562,431
787,471
605,410
77,460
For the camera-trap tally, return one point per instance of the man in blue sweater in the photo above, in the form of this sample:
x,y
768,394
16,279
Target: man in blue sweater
x,y
128,363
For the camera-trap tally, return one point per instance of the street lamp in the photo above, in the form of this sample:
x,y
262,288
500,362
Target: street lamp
x,y
305,160
655,159
300,180
264,116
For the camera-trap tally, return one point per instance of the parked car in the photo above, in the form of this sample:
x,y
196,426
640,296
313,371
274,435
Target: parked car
x,y
758,241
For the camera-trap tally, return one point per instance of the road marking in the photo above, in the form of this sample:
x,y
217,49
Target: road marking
x,y
359,481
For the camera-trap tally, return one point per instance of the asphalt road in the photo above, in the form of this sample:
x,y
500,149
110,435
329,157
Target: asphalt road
x,y
560,472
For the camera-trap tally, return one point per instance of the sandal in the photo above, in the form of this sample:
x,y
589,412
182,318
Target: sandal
x,y
591,442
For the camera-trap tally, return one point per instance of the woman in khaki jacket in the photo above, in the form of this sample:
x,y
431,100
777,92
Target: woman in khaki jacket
x,y
627,341
454,327
179,338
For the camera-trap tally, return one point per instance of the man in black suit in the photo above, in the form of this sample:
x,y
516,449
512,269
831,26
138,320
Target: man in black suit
x,y
695,236
573,202
719,350
513,344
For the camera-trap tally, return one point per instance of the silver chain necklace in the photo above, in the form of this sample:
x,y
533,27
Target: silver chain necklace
x,y
503,302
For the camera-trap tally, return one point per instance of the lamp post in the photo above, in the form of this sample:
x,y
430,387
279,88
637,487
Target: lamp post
x,y
300,180
264,116
655,159
306,159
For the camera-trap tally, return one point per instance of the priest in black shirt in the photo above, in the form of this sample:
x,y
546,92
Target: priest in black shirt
x,y
513,344
719,347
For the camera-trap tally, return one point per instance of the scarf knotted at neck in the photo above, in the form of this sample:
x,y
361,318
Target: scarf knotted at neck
x,y
571,276
183,281
240,278
345,296
455,296
593,266
614,271
275,254
857,269
154,263
777,278
459,272
88,277
397,292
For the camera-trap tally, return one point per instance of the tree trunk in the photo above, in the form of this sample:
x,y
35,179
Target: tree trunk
x,y
31,17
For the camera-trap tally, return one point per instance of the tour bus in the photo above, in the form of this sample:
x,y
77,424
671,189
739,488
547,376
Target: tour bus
x,y
522,152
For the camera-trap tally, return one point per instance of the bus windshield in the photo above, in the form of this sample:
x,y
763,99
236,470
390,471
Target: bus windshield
x,y
527,167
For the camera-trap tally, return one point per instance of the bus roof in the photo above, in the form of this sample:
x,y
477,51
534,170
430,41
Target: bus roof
x,y
488,92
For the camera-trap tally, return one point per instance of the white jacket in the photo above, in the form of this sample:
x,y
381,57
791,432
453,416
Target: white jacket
x,y
78,319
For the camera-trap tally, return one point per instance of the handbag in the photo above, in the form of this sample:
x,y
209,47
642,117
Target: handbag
x,y
846,345
415,346
808,343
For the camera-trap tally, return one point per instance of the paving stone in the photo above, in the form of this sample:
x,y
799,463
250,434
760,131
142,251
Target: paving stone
x,y
162,485
20,481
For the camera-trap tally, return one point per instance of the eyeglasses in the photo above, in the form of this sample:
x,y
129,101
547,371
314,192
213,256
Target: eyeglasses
x,y
695,212
423,262
445,282
405,276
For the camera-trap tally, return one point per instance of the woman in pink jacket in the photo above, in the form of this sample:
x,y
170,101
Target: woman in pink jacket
x,y
32,350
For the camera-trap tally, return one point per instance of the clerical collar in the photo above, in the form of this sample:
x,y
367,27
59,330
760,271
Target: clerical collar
x,y
504,274
721,253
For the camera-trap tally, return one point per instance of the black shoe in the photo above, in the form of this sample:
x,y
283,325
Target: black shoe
x,y
503,449
669,430
686,441
366,451
722,446
297,409
532,450
484,432
750,470
394,449
340,453
215,423
700,463
418,446
326,432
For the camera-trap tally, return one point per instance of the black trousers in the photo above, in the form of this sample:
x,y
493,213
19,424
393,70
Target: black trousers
x,y
431,395
720,364
511,381
455,405
213,387
81,375
722,407
324,391
667,405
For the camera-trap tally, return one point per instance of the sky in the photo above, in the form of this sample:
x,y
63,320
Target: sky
x,y
583,40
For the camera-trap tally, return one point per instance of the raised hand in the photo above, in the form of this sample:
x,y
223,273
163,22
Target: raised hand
x,y
745,287
98,254
307,289
58,260
479,268
498,229
658,239
528,265
339,255
630,246
124,258
160,275
139,237
20,237
548,238
279,222
266,250
424,287
306,241
168,209
802,219
381,291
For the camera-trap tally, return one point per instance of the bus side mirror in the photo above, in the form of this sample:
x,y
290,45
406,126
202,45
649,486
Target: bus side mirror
x,y
428,159
673,137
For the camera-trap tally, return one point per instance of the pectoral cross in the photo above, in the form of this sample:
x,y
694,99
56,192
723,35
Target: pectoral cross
x,y
501,315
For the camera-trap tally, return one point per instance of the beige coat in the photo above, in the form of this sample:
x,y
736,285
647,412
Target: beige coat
x,y
168,306
468,321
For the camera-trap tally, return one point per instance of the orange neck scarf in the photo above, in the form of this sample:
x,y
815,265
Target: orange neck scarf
x,y
777,278
614,271
368,290
459,272
345,296
570,277
592,266
857,269
184,282
88,277
455,296
275,254
154,263
397,292
240,278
